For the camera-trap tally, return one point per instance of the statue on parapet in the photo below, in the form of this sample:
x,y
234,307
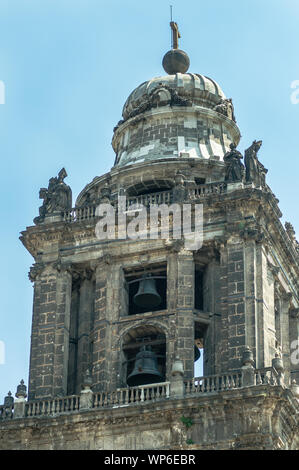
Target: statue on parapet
x,y
57,197
226,107
255,171
234,168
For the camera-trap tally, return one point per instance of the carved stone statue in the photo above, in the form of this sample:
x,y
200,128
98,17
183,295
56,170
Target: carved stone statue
x,y
290,230
226,108
255,171
57,198
234,169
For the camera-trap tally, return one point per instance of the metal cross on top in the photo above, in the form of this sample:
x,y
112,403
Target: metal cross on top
x,y
175,35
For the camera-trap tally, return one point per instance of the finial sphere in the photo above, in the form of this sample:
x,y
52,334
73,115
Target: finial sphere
x,y
175,61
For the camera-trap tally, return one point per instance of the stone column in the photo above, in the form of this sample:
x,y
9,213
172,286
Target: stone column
x,y
185,307
50,331
109,300
101,326
62,328
265,305
35,275
259,298
250,305
232,304
211,304
85,314
294,344
116,301
285,300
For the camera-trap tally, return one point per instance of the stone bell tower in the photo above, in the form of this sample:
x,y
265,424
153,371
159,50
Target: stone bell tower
x,y
120,319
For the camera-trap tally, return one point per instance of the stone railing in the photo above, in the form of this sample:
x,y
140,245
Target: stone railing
x,y
79,214
143,394
233,380
73,403
267,376
206,190
146,200
52,407
133,395
213,383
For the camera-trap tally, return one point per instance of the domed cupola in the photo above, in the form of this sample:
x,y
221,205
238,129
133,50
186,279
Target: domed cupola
x,y
180,115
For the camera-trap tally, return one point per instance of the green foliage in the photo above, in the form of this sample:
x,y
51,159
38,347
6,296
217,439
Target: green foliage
x,y
189,442
187,421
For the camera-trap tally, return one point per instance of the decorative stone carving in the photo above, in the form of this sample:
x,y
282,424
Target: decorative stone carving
x,y
255,171
61,266
292,235
274,269
234,169
226,108
57,198
174,246
21,390
290,231
105,259
294,313
35,271
163,95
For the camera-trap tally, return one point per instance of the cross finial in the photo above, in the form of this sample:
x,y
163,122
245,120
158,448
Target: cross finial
x,y
175,35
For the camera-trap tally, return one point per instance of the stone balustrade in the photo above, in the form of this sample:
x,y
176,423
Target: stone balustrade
x,y
214,383
206,190
79,214
135,396
52,407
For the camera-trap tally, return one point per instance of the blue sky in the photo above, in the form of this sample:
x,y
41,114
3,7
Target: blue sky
x,y
68,67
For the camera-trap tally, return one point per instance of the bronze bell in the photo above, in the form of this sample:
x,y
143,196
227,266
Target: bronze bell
x,y
147,295
145,369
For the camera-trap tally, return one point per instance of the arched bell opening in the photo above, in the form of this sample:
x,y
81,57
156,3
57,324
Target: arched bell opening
x,y
146,290
143,356
149,187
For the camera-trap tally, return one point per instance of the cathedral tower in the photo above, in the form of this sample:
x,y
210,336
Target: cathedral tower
x,y
121,313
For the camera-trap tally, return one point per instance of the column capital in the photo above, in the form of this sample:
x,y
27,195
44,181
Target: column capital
x,y
294,313
96,263
275,270
35,271
62,266
287,296
174,246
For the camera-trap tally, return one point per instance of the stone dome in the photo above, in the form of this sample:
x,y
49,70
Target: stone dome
x,y
194,88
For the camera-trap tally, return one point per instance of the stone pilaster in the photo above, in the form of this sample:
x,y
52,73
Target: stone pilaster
x,y
285,335
115,302
185,306
85,320
172,280
250,304
212,305
100,332
50,332
265,310
294,343
232,304
62,327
